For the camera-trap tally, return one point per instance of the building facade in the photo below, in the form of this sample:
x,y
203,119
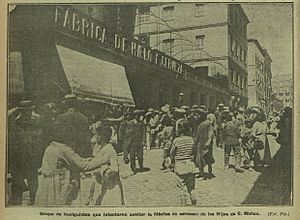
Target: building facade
x,y
60,49
260,76
283,88
212,38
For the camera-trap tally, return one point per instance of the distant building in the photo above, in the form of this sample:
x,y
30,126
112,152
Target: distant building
x,y
259,76
210,37
283,88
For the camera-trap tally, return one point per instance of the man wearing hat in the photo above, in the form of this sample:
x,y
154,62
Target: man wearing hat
x,y
124,135
203,144
218,115
24,152
231,138
180,99
137,141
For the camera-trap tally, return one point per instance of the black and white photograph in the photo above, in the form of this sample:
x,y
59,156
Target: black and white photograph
x,y
158,104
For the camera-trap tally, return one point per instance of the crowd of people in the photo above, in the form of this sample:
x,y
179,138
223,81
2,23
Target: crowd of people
x,y
48,153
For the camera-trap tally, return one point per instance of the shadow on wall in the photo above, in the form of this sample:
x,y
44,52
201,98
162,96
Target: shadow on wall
x,y
273,186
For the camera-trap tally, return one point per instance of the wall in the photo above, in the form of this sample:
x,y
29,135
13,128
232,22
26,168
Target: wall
x,y
184,16
256,78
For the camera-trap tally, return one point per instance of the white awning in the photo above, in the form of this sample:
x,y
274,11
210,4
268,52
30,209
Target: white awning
x,y
95,79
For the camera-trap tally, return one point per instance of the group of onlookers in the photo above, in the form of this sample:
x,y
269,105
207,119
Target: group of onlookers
x,y
50,153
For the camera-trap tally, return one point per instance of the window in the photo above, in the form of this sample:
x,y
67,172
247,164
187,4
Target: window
x,y
144,16
90,11
241,82
238,51
199,10
232,45
168,13
144,39
200,40
235,50
231,76
287,93
241,54
236,79
245,57
167,46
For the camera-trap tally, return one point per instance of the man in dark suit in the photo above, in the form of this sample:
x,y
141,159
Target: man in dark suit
x,y
80,122
137,143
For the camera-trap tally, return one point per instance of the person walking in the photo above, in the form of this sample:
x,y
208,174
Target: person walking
x,y
203,145
137,143
231,138
182,155
218,115
124,136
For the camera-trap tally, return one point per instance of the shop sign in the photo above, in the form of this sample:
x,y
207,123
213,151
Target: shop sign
x,y
72,21
138,50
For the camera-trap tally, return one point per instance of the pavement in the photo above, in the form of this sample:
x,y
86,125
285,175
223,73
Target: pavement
x,y
158,188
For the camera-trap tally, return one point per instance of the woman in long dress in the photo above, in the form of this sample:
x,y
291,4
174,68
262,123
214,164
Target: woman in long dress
x,y
262,150
56,182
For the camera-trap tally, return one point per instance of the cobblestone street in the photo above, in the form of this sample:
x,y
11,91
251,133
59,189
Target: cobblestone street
x,y
158,188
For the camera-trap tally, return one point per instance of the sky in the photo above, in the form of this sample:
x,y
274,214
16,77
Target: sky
x,y
271,24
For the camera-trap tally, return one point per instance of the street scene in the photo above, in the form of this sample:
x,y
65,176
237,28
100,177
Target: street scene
x,y
150,105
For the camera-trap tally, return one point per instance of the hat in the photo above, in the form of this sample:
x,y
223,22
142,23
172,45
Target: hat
x,y
165,109
241,109
200,110
226,111
70,97
25,105
136,112
203,106
156,111
195,106
185,107
256,110
180,110
150,109
226,108
221,105
148,114
181,94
